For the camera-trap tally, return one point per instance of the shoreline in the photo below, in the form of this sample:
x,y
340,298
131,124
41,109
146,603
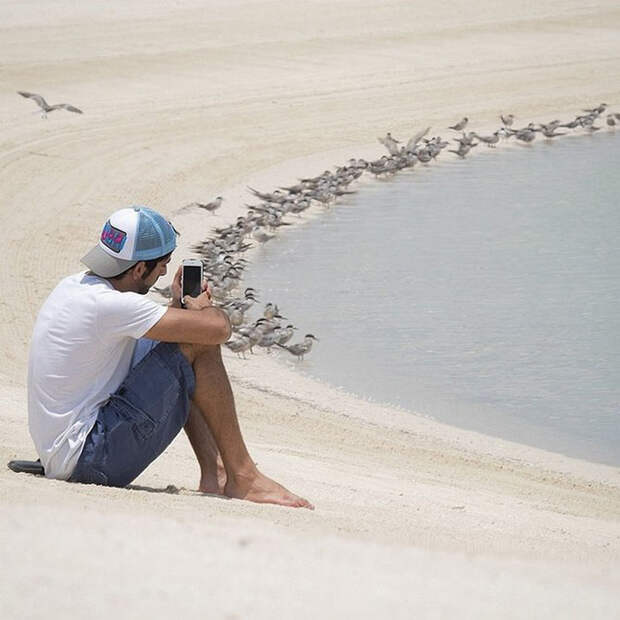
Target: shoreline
x,y
275,176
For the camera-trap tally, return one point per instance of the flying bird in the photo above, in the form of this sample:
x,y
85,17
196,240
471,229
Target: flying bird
x,y
46,107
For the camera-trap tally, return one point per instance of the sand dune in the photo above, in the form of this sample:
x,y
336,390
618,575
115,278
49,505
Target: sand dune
x,y
186,102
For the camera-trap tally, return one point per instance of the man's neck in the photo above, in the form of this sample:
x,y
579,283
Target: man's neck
x,y
119,284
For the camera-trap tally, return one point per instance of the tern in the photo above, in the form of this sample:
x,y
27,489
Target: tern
x,y
239,346
270,311
165,292
261,236
460,125
46,107
463,150
286,333
269,339
413,141
301,348
598,110
211,207
490,141
391,144
588,124
526,135
549,131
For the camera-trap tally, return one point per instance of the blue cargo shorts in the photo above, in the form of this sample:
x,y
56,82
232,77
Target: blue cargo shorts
x,y
140,419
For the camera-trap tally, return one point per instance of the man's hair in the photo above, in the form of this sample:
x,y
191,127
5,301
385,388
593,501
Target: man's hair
x,y
150,265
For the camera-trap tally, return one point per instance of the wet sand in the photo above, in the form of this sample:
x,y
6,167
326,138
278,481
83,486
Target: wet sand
x,y
182,104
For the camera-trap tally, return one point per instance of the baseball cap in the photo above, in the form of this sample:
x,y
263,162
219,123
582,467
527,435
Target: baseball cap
x,y
129,236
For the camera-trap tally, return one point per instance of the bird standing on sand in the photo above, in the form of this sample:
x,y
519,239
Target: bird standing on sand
x,y
46,107
588,124
270,310
463,150
490,141
525,135
460,125
261,236
388,138
211,207
301,348
390,143
550,131
286,333
165,292
269,339
598,110
508,119
239,346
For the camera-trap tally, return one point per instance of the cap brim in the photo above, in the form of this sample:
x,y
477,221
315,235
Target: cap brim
x,y
104,265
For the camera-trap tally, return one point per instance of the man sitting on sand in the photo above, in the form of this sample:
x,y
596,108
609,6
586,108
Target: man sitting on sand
x,y
114,376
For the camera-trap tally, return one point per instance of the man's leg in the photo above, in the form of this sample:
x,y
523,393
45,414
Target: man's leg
x,y
212,472
214,398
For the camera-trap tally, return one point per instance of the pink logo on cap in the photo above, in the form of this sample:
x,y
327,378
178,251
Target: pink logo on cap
x,y
113,238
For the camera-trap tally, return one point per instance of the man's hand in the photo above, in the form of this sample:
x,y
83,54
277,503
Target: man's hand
x,y
191,303
176,288
198,303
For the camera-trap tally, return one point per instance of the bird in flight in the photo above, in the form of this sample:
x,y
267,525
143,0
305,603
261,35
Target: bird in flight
x,y
46,107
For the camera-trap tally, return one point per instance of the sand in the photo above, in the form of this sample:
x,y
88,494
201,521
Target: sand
x,y
187,101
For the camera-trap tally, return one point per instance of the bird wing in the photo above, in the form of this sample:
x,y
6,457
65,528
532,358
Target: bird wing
x,y
39,100
68,107
415,139
392,148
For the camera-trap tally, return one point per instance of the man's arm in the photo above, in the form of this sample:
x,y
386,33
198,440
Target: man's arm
x,y
207,326
198,323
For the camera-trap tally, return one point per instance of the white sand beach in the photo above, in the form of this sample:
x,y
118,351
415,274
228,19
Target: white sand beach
x,y
188,101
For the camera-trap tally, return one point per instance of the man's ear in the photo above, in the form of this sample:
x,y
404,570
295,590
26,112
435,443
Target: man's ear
x,y
139,270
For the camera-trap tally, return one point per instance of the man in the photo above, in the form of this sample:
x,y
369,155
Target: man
x,y
114,376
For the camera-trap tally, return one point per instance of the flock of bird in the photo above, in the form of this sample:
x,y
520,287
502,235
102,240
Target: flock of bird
x,y
221,253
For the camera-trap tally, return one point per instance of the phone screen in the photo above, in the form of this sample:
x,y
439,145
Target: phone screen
x,y
192,283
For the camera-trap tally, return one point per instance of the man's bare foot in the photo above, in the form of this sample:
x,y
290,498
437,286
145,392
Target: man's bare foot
x,y
258,488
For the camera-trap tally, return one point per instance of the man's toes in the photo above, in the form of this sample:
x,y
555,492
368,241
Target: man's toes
x,y
304,503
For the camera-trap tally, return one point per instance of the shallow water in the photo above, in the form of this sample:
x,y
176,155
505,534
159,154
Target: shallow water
x,y
483,293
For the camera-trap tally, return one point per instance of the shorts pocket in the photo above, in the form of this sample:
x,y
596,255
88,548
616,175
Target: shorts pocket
x,y
151,387
141,423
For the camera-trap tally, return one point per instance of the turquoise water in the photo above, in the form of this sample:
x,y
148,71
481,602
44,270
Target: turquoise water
x,y
483,293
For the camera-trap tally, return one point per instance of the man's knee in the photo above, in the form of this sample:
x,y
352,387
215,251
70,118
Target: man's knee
x,y
205,351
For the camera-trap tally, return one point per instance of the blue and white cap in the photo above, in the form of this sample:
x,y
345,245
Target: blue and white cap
x,y
128,237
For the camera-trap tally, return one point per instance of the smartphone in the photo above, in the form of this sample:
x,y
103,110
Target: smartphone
x,y
191,278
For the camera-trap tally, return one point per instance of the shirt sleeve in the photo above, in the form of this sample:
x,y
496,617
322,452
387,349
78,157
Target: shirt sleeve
x,y
123,315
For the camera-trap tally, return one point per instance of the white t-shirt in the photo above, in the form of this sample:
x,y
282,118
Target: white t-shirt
x,y
81,350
